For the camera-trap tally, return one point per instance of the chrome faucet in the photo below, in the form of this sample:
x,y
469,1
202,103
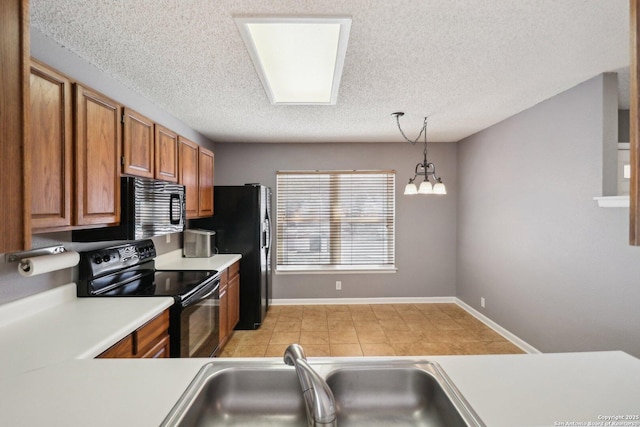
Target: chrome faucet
x,y
318,398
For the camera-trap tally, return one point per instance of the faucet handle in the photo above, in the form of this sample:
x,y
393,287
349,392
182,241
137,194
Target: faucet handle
x,y
292,353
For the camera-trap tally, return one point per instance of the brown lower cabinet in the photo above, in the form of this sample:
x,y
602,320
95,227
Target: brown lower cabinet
x,y
229,301
151,340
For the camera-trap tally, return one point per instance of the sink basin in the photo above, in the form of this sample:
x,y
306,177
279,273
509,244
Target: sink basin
x,y
392,396
384,392
243,397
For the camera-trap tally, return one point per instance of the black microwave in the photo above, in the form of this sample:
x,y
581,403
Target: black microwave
x,y
148,208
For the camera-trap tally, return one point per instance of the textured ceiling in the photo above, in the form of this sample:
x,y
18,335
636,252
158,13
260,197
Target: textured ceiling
x,y
467,64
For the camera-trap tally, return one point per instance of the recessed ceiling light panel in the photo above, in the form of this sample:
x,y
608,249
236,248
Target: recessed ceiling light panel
x,y
298,59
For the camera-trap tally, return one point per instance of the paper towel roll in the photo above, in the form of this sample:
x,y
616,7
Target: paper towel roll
x,y
43,264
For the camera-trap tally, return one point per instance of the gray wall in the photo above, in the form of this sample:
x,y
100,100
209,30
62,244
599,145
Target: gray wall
x,y
425,226
554,269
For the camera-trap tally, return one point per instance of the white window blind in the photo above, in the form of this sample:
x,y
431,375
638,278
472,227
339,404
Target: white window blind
x,y
340,220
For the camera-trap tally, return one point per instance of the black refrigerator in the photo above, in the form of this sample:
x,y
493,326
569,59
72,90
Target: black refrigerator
x,y
242,222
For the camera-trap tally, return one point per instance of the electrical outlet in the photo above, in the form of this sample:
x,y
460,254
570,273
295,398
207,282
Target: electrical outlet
x,y
168,238
338,285
482,302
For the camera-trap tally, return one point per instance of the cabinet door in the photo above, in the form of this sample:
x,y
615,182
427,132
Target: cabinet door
x,y
166,154
224,315
51,156
137,144
97,149
205,182
233,290
188,174
15,198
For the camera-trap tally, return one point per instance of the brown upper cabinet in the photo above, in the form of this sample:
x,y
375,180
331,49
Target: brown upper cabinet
x,y
15,195
137,144
97,151
196,174
166,158
86,141
51,159
87,158
205,182
149,149
188,174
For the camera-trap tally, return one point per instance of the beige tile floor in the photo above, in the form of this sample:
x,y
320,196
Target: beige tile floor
x,y
369,330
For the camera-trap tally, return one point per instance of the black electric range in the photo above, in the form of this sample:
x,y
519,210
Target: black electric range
x,y
128,270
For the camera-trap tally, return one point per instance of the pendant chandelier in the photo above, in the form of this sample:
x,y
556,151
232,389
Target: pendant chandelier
x,y
424,169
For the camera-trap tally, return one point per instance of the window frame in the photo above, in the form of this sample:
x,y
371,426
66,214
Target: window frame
x,y
335,266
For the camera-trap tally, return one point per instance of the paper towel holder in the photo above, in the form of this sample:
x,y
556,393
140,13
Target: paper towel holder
x,y
19,256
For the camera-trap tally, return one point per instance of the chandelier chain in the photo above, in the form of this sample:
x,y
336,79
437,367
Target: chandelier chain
x,y
423,130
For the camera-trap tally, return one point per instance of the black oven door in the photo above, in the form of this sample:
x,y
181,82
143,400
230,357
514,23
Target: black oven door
x,y
196,331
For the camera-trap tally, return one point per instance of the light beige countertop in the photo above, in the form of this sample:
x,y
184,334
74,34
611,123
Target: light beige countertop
x,y
56,326
504,390
48,376
174,261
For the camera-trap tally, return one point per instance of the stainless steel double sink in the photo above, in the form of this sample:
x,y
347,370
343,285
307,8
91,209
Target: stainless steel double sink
x,y
266,392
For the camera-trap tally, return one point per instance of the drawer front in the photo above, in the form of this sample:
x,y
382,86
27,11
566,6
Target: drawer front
x,y
149,334
121,349
158,351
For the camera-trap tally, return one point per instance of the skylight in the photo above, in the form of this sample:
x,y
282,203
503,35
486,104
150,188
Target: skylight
x,y
299,60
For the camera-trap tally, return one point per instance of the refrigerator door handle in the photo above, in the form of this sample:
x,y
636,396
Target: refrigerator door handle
x,y
266,233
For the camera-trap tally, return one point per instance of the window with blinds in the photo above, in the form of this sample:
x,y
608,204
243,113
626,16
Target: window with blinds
x,y
335,220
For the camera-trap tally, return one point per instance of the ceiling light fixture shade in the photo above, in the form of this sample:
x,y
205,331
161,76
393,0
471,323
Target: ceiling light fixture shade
x,y
425,188
439,188
410,189
425,168
299,59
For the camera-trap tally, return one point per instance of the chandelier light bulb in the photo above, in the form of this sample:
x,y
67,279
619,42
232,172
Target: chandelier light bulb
x,y
439,188
410,189
425,188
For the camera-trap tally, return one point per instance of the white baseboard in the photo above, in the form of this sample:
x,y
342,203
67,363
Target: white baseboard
x,y
515,340
342,301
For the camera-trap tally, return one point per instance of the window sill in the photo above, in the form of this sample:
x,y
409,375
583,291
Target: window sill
x,y
612,201
336,270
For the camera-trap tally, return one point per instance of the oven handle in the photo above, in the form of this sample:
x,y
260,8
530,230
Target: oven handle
x,y
199,297
208,294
